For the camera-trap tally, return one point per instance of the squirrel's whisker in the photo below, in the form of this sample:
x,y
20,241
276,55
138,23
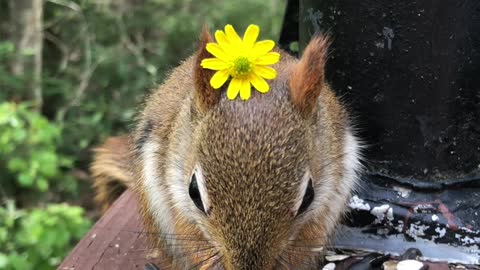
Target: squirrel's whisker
x,y
173,246
217,263
191,237
180,260
204,261
284,262
297,258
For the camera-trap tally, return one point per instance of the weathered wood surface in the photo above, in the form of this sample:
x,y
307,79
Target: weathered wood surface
x,y
116,241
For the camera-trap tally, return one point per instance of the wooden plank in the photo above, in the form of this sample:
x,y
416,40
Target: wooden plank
x,y
116,241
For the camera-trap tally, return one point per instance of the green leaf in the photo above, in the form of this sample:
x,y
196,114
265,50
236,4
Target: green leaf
x,y
16,164
42,184
6,47
19,135
25,180
66,162
19,262
3,235
3,260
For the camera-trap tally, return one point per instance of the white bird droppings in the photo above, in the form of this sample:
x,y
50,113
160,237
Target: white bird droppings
x,y
358,204
402,192
381,211
409,265
336,258
330,266
441,231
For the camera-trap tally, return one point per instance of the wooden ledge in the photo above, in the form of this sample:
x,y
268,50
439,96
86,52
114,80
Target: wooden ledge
x,y
116,241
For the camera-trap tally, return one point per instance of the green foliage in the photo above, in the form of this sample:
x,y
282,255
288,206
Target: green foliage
x,y
28,142
36,239
8,82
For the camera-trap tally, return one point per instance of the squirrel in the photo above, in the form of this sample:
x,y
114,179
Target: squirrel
x,y
222,184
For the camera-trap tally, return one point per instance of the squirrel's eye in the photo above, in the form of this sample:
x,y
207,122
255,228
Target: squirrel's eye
x,y
307,198
195,194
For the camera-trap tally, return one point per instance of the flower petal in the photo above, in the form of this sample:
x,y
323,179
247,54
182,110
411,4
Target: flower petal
x,y
222,40
234,88
232,35
245,89
229,54
262,47
268,59
214,64
265,72
251,35
219,78
259,83
217,51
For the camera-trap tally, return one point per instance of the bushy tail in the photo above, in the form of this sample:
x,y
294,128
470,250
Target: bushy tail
x,y
111,170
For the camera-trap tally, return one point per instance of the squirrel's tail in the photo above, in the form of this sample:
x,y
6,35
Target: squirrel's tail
x,y
111,170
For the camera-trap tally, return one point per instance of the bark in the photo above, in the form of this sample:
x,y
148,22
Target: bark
x,y
26,18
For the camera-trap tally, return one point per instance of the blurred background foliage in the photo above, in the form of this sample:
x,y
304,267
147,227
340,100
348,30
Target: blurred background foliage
x,y
73,72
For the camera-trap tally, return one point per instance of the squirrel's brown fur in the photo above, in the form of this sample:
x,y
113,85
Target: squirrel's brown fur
x,y
111,170
253,156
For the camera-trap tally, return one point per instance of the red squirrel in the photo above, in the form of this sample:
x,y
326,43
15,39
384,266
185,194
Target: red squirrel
x,y
257,184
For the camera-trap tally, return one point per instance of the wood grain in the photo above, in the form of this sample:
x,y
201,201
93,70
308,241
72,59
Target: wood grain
x,y
116,241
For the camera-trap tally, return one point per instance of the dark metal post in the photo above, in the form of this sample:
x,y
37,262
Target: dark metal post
x,y
411,72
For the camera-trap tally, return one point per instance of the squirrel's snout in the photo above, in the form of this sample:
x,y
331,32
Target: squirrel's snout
x,y
248,259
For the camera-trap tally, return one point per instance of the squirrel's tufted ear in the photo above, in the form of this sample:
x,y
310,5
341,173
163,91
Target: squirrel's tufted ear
x,y
307,78
206,96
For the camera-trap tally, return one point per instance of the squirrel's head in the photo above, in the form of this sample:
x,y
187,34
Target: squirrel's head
x,y
250,181
248,177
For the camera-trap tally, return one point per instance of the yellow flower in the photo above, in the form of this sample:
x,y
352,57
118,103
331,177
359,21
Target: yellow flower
x,y
245,60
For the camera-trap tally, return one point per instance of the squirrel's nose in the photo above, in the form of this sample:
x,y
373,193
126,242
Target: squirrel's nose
x,y
249,259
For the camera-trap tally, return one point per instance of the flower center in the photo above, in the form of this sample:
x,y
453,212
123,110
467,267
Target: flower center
x,y
241,66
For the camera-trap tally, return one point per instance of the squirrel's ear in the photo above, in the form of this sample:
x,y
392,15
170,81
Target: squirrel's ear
x,y
206,96
307,79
